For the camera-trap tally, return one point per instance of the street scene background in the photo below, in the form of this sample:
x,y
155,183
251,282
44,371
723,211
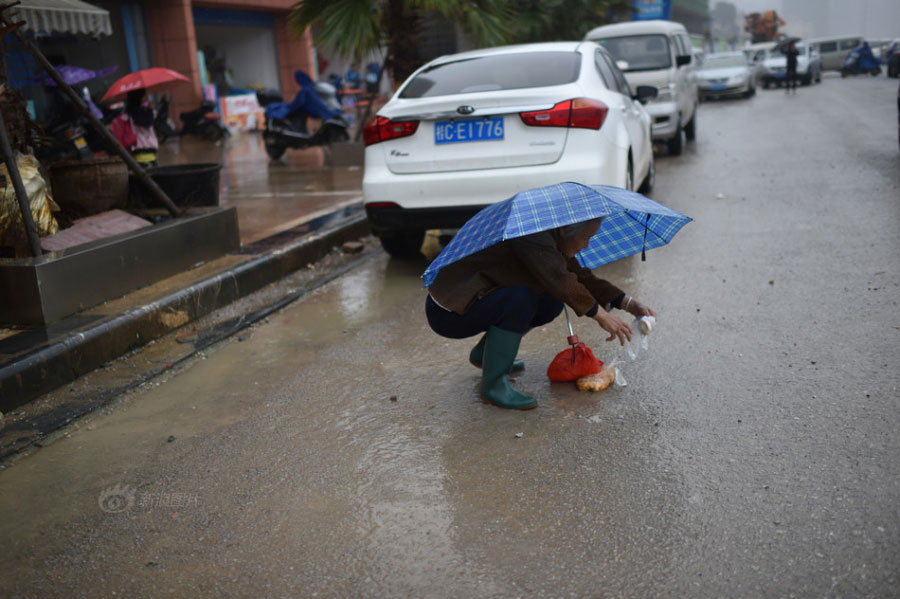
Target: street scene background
x,y
339,448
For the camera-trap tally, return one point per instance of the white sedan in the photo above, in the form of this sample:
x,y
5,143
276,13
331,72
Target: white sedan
x,y
471,129
726,74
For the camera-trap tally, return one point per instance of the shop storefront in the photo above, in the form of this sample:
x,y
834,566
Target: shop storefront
x,y
248,44
239,49
105,36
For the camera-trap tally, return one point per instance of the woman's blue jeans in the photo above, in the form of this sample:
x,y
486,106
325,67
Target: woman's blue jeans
x,y
514,309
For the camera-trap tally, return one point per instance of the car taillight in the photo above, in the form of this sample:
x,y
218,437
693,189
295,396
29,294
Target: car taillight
x,y
381,129
580,112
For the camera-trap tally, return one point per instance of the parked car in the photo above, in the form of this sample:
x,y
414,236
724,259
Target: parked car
x,y
809,66
726,74
658,53
759,52
471,129
833,50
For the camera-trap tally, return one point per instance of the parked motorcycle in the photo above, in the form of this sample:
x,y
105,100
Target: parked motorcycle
x,y
66,142
286,122
860,61
204,121
268,96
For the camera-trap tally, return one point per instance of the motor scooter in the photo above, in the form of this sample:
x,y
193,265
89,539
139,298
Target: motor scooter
x,y
162,124
286,122
204,121
859,62
66,142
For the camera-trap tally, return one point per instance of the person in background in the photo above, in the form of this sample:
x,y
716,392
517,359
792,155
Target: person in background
x,y
372,71
134,128
352,77
791,83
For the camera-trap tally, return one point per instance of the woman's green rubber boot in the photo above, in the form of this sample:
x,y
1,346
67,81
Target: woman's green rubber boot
x,y
500,350
476,357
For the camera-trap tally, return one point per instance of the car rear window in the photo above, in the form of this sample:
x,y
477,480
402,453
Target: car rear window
x,y
492,73
639,52
717,62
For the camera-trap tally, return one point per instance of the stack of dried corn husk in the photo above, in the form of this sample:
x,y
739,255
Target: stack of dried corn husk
x,y
23,134
12,230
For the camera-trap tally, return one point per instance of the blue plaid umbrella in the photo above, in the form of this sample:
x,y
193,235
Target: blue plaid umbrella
x,y
632,223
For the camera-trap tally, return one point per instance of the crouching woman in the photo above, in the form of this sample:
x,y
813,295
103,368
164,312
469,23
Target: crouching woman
x,y
507,289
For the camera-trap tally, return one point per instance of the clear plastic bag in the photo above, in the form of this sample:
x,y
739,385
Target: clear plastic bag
x,y
639,342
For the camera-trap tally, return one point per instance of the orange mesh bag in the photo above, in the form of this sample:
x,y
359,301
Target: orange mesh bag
x,y
573,363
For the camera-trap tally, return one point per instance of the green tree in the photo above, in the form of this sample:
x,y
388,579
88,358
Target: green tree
x,y
560,20
356,27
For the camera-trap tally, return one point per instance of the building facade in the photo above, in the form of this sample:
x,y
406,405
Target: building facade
x,y
230,43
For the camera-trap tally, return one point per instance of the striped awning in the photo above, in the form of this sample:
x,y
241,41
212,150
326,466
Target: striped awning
x,y
63,16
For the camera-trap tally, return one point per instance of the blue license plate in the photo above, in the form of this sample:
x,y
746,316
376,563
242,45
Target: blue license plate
x,y
717,86
458,131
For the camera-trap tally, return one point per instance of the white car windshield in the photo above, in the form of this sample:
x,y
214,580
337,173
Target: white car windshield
x,y
495,72
639,52
718,62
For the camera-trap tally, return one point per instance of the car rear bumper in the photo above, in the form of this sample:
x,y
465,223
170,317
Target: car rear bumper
x,y
461,191
389,219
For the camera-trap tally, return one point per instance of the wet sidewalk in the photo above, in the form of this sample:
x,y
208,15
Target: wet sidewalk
x,y
291,213
270,196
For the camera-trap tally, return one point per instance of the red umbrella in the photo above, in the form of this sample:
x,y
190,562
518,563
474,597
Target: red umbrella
x,y
145,78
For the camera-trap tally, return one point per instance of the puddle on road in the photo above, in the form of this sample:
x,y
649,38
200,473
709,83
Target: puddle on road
x,y
341,429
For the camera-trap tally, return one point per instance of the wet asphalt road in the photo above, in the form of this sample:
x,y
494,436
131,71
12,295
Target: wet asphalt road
x,y
339,449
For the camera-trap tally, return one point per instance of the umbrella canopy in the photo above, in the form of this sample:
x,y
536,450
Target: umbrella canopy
x,y
73,75
145,78
783,42
632,223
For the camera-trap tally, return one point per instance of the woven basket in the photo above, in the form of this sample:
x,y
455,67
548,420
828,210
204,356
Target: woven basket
x,y
90,186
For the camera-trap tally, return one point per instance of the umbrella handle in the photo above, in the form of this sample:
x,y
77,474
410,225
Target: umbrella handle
x,y
568,322
573,338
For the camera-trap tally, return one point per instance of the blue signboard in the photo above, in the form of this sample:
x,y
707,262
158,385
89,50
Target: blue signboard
x,y
645,10
223,16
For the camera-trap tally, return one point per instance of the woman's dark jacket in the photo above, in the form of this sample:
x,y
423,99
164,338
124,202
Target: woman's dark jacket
x,y
533,261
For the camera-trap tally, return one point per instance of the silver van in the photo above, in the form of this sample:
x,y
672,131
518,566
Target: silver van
x,y
658,53
834,50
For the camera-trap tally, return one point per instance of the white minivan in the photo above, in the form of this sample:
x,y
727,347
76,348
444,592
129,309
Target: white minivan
x,y
834,50
658,53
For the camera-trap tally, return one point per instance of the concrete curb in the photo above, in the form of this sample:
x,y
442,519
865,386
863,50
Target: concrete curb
x,y
51,366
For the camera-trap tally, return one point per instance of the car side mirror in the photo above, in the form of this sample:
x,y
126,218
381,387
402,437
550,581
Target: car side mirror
x,y
645,93
683,60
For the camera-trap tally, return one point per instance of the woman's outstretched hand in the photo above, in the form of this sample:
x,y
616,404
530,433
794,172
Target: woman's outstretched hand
x,y
615,327
638,309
